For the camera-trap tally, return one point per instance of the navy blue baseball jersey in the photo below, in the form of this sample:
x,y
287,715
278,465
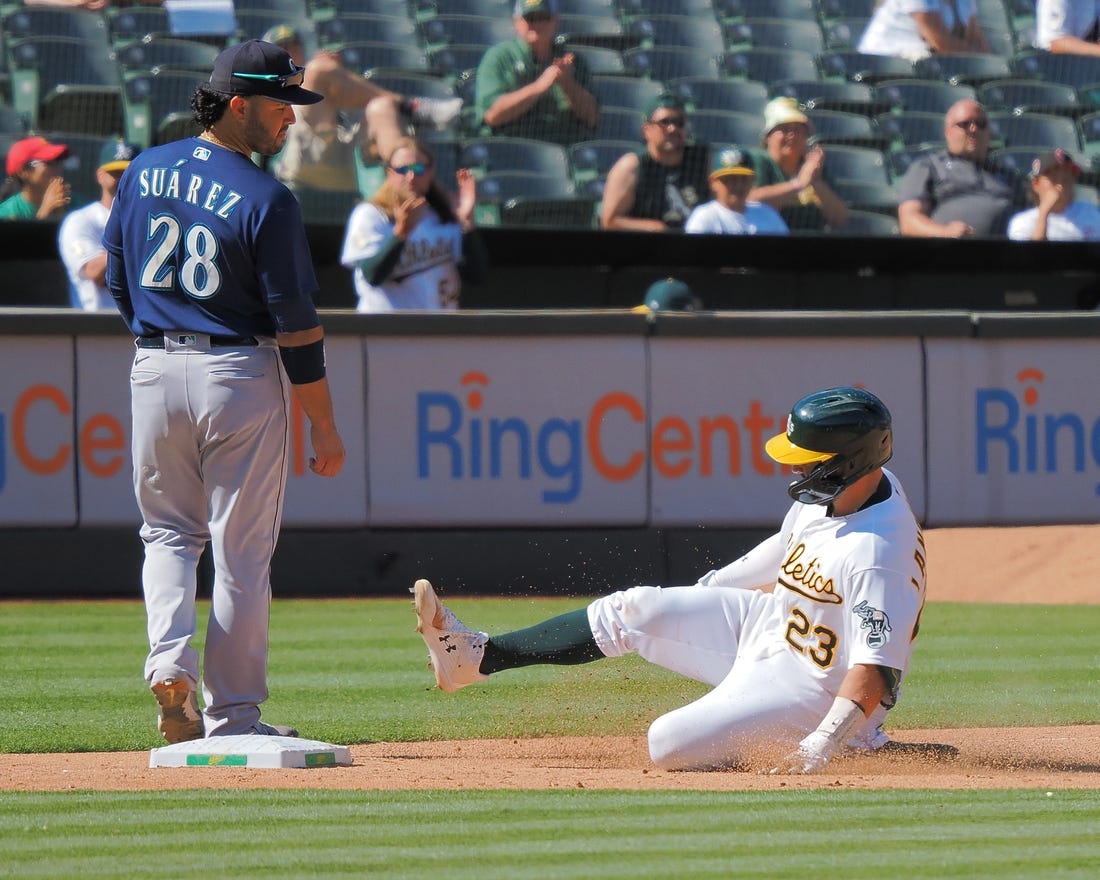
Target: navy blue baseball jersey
x,y
200,239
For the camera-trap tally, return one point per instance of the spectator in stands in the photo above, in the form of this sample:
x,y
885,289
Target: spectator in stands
x,y
1070,27
957,192
80,236
668,295
1057,216
36,178
731,213
914,29
321,144
408,247
531,86
655,189
791,175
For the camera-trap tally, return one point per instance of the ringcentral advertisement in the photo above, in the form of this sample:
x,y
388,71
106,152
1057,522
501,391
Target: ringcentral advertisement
x,y
572,431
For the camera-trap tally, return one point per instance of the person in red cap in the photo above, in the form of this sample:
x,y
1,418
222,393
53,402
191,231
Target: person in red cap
x,y
34,165
1057,216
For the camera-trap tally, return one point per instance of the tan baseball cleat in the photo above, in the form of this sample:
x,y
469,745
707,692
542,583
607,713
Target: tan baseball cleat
x,y
179,719
454,648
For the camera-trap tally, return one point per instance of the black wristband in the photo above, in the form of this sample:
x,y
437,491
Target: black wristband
x,y
304,363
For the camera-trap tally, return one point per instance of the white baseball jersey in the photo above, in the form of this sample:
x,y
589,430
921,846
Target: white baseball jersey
x,y
1065,18
715,218
79,239
426,275
848,590
892,29
1079,222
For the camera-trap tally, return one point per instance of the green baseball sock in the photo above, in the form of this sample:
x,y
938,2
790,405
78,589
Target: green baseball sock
x,y
564,640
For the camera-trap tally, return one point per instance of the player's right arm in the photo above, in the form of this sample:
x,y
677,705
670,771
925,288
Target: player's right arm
x,y
756,570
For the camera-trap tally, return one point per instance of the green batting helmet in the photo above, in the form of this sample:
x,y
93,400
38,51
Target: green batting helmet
x,y
845,432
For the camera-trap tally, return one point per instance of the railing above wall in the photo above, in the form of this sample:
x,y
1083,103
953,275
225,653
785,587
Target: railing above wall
x,y
570,269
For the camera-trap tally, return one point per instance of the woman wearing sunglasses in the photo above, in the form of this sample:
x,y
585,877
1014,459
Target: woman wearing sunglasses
x,y
409,247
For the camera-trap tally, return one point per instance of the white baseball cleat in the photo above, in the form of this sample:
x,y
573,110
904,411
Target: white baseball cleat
x,y
455,649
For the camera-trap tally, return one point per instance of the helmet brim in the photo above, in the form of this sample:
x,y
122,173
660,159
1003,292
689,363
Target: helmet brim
x,y
784,451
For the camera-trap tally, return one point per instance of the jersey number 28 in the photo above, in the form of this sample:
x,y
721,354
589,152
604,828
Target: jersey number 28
x,y
198,274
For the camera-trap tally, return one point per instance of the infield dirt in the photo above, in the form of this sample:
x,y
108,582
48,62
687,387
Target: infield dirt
x,y
1018,565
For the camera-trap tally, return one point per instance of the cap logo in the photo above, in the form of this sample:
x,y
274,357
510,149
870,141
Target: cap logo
x,y
790,424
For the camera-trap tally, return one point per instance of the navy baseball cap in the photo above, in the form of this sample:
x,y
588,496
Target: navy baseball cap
x,y
258,68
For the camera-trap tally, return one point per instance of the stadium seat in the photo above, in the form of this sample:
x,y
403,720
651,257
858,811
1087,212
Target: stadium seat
x,y
830,95
151,97
878,196
449,60
921,95
1071,70
125,24
799,10
37,65
618,124
725,126
497,188
604,31
1026,95
325,207
167,53
92,110
11,122
768,65
869,223
1089,128
963,67
397,30
568,212
363,57
899,159
589,162
1039,130
702,35
856,163
467,30
666,63
776,33
624,91
834,10
744,96
253,23
854,129
1018,159
843,33
486,156
848,64
81,163
410,82
483,8
911,128
600,59
56,21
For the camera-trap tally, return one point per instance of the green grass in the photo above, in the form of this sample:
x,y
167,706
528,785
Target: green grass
x,y
566,834
353,671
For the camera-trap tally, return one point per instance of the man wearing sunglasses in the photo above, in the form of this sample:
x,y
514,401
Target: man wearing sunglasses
x,y
531,86
957,191
36,184
209,266
656,188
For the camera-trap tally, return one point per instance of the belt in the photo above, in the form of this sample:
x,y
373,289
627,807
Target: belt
x,y
157,341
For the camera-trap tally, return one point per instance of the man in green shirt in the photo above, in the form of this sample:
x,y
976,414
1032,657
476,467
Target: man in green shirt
x,y
529,87
34,165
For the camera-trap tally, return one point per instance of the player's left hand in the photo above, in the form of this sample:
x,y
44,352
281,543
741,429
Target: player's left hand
x,y
802,760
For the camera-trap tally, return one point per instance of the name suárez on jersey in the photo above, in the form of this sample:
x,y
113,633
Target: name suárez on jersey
x,y
209,195
806,579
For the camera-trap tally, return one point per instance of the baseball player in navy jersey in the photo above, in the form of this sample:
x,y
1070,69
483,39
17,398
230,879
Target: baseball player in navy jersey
x,y
209,265
805,640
